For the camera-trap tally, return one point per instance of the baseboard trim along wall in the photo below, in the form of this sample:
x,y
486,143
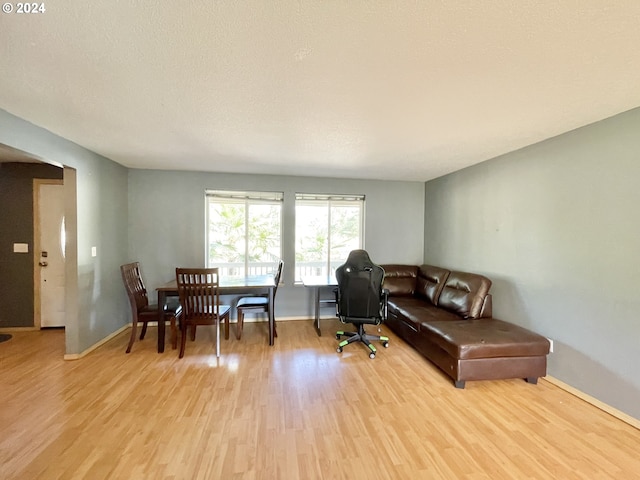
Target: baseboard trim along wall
x,y
77,356
18,329
634,422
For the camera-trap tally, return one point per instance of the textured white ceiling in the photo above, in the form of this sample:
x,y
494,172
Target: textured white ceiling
x,y
407,90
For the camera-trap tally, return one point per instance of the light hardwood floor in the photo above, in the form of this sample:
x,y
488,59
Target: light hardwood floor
x,y
295,410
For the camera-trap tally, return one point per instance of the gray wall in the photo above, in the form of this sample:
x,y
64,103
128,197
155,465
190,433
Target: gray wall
x,y
16,226
157,218
99,188
167,222
555,226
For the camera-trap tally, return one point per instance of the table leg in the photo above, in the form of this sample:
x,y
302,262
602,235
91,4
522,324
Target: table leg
x,y
272,317
162,297
317,312
218,335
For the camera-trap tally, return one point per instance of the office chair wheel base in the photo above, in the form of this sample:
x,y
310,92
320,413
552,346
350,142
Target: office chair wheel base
x,y
338,337
339,349
385,344
372,355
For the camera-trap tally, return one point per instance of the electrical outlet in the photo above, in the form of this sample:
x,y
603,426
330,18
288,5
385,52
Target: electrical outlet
x,y
551,346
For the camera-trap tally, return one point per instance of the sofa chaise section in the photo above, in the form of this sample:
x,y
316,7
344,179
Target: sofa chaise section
x,y
447,316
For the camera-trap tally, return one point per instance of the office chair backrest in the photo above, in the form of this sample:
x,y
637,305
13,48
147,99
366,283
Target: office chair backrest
x,y
360,286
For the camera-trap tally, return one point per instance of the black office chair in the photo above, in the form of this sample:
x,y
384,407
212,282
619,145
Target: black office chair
x,y
361,300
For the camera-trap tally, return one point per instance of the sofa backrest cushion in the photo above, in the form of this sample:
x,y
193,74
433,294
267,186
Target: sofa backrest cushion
x,y
400,279
430,282
464,294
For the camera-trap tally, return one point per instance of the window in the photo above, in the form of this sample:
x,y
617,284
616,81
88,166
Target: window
x,y
328,227
244,231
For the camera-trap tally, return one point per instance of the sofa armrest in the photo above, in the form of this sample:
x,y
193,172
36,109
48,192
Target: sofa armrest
x,y
487,307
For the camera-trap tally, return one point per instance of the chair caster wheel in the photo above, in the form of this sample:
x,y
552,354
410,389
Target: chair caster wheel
x,y
339,349
385,344
337,337
372,355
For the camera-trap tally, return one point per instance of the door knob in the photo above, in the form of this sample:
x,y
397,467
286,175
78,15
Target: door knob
x,y
43,264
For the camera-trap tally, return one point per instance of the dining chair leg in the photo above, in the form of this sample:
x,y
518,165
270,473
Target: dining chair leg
x,y
174,333
193,333
218,337
183,340
240,324
134,328
275,330
144,330
226,328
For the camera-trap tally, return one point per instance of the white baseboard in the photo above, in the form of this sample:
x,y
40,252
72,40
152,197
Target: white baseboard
x,y
77,356
18,329
634,422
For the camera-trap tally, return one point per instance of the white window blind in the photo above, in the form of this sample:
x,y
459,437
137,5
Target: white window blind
x,y
328,227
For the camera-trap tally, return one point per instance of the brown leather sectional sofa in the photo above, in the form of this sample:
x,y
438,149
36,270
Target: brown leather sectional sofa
x,y
447,317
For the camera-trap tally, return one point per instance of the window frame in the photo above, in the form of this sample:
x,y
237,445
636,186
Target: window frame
x,y
246,198
331,200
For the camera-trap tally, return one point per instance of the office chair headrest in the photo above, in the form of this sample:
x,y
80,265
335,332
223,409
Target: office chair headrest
x,y
359,259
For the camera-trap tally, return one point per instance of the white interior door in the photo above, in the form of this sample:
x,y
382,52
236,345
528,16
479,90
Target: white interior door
x,y
51,263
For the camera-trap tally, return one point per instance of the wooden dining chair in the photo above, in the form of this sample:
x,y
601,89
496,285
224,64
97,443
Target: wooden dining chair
x,y
199,293
141,310
257,304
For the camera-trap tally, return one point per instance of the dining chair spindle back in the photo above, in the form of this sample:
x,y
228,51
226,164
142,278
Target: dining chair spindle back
x,y
141,310
199,293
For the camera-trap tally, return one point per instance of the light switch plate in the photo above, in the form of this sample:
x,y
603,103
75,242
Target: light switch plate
x,y
94,251
20,248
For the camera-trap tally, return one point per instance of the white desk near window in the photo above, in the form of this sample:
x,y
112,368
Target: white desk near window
x,y
318,283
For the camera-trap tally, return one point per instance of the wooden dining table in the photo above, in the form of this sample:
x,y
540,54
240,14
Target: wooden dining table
x,y
230,285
